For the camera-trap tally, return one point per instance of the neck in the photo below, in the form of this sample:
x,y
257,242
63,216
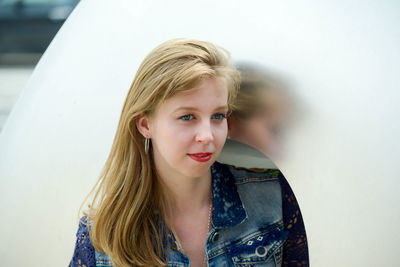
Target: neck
x,y
187,194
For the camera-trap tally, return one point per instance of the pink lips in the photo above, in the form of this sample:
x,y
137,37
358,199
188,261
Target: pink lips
x,y
201,157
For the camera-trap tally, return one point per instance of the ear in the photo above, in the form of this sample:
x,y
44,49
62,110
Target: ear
x,y
143,125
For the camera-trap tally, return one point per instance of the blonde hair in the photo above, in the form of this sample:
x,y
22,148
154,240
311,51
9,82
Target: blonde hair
x,y
125,224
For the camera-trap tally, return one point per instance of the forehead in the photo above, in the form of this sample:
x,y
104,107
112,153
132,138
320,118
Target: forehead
x,y
207,95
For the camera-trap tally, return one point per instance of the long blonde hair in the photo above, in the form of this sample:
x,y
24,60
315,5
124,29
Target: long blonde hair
x,y
127,195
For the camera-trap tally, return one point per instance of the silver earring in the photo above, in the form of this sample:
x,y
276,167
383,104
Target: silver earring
x,y
146,145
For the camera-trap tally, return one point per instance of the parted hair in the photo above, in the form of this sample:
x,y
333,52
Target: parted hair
x,y
127,200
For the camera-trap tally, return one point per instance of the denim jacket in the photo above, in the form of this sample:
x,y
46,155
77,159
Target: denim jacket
x,y
247,226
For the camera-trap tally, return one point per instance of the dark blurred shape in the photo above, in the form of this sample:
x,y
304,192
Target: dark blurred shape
x,y
28,26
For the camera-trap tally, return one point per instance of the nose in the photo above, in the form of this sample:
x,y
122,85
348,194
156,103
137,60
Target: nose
x,y
204,133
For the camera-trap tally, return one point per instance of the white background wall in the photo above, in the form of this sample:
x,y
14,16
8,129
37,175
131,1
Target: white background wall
x,y
341,155
12,81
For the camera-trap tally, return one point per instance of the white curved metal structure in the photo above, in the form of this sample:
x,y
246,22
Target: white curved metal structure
x,y
341,156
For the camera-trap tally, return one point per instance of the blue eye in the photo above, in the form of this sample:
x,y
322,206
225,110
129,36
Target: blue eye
x,y
186,117
220,116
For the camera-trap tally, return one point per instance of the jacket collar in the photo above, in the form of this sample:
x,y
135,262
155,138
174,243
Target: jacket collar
x,y
228,209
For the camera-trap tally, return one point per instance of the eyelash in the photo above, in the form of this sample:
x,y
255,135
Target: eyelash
x,y
224,116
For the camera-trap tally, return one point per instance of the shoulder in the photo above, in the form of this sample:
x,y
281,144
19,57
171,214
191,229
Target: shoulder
x,y
257,188
84,252
83,228
261,187
244,175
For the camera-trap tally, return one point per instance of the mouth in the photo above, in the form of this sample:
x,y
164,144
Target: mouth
x,y
201,157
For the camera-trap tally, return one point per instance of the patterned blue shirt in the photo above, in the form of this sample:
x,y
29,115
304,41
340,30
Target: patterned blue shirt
x,y
256,220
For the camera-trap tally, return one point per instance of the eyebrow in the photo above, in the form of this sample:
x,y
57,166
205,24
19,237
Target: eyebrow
x,y
196,109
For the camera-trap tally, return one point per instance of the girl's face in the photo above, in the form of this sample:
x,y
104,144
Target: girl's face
x,y
189,129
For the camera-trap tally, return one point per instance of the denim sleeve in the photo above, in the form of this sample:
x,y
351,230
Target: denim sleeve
x,y
84,253
295,250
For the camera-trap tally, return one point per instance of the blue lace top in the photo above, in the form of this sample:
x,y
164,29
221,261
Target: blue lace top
x,y
295,250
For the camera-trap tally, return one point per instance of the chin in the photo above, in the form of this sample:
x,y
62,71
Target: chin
x,y
199,172
198,169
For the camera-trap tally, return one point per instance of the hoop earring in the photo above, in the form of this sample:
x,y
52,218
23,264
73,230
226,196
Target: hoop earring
x,y
146,145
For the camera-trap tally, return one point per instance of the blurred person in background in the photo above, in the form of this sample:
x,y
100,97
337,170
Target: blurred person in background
x,y
255,125
259,111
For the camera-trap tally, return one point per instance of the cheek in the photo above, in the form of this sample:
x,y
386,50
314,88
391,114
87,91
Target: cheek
x,y
173,136
220,133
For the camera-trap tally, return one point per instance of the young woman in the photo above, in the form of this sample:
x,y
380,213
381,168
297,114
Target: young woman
x,y
162,199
